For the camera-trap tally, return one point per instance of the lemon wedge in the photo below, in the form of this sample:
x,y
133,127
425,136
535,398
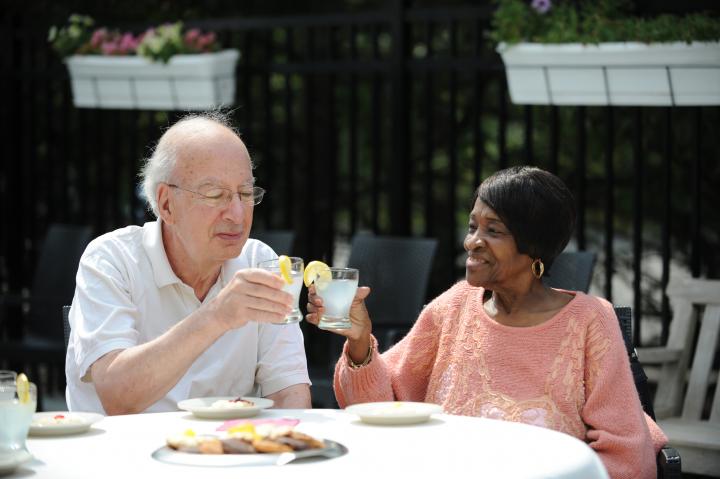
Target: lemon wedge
x,y
317,272
23,388
245,430
285,268
242,428
189,433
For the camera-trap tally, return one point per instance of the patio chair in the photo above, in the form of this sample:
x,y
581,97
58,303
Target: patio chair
x,y
688,406
66,324
53,286
281,241
397,270
668,459
571,270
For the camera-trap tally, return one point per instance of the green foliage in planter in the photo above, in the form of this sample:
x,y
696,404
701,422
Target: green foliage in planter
x,y
594,21
71,38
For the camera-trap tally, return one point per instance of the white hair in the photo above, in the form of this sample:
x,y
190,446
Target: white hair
x,y
160,166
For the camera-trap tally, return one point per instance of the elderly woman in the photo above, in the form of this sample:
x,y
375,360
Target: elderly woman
x,y
502,345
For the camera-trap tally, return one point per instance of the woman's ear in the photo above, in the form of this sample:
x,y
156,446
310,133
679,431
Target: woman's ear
x,y
165,204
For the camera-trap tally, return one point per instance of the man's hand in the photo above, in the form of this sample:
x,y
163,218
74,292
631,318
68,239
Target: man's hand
x,y
252,295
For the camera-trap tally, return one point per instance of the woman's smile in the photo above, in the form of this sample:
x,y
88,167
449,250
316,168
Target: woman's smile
x,y
475,261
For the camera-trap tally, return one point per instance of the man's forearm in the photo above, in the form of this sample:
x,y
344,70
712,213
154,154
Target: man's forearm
x,y
135,378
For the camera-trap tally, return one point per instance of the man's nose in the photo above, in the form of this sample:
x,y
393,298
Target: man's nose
x,y
236,207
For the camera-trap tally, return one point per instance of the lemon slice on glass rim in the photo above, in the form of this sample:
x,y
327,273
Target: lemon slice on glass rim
x,y
23,388
317,272
285,268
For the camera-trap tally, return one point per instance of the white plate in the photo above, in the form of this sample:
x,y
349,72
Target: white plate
x,y
394,412
171,456
81,423
202,407
10,462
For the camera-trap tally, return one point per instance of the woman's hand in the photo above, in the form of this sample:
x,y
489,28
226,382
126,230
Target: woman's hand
x,y
361,326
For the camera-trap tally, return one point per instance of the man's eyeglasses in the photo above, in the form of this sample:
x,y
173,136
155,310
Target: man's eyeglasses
x,y
218,197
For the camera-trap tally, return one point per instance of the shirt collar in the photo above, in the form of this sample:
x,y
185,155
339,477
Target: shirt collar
x,y
155,249
226,274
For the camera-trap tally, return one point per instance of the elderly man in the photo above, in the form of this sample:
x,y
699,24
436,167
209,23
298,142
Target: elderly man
x,y
177,308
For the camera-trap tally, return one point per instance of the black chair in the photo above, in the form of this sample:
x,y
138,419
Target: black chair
x,y
669,464
66,324
397,270
571,270
281,241
53,286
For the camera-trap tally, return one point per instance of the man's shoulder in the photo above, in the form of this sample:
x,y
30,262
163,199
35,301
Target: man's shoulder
x,y
127,239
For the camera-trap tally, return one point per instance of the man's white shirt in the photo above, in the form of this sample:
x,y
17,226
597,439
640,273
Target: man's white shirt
x,y
127,294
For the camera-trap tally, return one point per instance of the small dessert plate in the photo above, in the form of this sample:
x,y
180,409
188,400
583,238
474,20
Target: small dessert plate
x,y
394,412
61,423
223,408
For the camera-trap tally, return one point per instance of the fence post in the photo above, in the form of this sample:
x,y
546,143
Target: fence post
x,y
400,164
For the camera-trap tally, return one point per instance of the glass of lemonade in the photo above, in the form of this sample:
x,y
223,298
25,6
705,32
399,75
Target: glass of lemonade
x,y
16,415
297,267
337,295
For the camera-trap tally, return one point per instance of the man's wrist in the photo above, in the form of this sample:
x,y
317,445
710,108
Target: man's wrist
x,y
215,320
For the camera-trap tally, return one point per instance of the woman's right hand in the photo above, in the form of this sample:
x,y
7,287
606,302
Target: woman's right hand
x,y
359,333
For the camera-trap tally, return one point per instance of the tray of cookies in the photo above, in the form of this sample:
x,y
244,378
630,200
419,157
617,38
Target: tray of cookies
x,y
239,443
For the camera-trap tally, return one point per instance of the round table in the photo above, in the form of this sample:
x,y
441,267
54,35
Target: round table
x,y
449,446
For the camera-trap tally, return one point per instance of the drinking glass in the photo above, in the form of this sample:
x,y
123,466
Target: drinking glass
x,y
297,267
15,416
7,377
337,295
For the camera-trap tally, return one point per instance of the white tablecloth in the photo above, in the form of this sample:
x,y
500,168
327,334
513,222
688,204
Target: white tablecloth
x,y
446,446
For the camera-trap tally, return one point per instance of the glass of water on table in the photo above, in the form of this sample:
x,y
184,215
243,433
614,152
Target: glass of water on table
x,y
18,398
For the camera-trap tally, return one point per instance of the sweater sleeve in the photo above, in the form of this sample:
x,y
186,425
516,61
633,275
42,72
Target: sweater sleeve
x,y
401,373
617,427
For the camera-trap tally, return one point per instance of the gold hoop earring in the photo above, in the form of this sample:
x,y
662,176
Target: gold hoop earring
x,y
538,268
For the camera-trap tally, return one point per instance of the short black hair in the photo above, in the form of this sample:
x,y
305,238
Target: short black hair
x,y
535,205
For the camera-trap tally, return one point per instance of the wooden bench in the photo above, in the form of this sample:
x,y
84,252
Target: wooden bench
x,y
681,411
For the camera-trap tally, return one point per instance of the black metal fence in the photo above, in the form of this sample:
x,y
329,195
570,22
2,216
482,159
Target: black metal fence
x,y
383,121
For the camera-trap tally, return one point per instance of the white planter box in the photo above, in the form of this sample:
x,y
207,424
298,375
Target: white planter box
x,y
661,74
186,82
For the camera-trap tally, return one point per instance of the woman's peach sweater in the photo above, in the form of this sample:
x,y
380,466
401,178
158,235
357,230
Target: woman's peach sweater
x,y
570,373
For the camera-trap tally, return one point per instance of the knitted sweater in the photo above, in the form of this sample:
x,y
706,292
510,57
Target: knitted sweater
x,y
570,373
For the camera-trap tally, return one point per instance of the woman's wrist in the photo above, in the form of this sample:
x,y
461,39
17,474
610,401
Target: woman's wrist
x,y
359,350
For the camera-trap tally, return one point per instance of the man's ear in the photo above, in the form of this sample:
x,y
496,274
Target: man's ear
x,y
165,205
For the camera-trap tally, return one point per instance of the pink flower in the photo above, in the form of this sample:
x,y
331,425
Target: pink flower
x,y
191,36
109,48
205,41
98,37
128,44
